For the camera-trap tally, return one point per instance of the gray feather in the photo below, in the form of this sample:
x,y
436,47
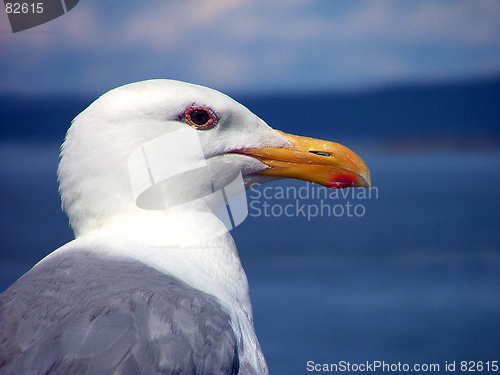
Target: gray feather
x,y
82,313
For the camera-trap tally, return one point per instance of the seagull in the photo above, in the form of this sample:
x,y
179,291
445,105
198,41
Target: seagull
x,y
152,282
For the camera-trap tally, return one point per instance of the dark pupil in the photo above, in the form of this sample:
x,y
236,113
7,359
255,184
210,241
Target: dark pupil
x,y
199,117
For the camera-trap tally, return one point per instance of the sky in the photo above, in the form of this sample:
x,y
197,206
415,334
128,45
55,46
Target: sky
x,y
253,45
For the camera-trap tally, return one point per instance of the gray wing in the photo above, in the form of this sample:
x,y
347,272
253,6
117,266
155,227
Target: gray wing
x,y
82,313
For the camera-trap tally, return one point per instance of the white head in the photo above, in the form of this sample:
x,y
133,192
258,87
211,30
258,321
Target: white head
x,y
94,176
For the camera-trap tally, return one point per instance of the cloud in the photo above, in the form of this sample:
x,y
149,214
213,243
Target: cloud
x,y
255,45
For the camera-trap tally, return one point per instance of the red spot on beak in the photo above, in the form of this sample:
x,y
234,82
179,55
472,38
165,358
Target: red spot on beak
x,y
343,180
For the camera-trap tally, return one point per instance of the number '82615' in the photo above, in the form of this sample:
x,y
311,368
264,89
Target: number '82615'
x,y
23,8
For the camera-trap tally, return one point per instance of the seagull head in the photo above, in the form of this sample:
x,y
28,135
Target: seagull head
x,y
147,131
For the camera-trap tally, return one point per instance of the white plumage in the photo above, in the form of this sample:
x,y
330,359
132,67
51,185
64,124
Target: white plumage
x,y
178,241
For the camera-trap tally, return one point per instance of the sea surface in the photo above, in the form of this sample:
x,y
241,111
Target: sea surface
x,y
407,273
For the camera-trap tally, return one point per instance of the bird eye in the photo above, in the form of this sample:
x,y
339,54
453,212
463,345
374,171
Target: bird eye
x,y
201,118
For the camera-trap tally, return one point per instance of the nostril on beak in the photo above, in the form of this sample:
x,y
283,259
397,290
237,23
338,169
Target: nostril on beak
x,y
321,153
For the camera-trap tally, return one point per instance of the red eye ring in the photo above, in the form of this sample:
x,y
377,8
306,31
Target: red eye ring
x,y
201,118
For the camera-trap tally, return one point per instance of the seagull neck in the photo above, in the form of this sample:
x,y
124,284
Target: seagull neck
x,y
193,246
213,268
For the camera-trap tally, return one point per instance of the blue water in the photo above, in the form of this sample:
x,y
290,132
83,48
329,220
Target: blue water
x,y
415,279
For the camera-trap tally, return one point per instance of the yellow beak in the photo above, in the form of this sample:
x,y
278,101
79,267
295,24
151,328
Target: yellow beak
x,y
315,160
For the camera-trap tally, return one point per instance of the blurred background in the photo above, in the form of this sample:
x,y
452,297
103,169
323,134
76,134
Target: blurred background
x,y
412,87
